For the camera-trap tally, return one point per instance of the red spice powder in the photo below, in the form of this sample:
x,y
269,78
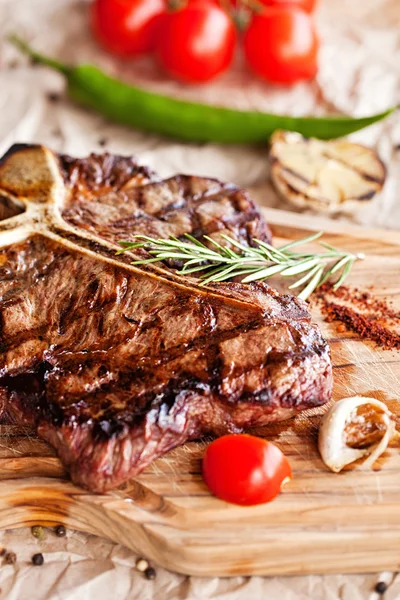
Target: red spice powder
x,y
360,311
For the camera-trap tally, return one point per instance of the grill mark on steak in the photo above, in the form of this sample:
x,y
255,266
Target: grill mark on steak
x,y
153,209
166,356
102,172
115,364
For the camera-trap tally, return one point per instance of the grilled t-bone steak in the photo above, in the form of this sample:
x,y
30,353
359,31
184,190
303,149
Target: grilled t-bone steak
x,y
115,364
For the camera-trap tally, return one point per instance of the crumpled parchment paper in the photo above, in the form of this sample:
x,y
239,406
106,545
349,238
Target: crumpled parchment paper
x,y
359,75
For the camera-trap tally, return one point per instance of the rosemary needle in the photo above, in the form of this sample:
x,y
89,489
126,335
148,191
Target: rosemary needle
x,y
217,263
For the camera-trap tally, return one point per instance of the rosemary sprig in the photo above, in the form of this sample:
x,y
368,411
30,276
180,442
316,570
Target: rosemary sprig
x,y
220,263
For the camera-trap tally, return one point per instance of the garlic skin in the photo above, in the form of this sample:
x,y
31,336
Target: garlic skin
x,y
334,451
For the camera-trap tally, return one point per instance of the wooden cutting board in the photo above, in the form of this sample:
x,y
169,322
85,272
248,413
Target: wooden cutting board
x,y
321,523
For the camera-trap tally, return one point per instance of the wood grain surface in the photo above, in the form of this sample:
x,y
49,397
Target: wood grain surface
x,y
321,523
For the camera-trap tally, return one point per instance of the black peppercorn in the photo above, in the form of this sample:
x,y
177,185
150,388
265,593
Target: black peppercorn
x,y
37,560
61,531
53,97
381,587
150,573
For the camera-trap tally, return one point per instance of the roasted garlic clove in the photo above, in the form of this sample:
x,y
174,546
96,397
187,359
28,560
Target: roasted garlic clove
x,y
330,177
353,428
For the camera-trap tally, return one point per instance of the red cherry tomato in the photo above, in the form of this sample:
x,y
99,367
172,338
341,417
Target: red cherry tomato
x,y
307,5
281,45
127,27
244,469
197,42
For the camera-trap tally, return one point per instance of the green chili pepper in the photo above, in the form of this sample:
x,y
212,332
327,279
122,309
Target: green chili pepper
x,y
188,121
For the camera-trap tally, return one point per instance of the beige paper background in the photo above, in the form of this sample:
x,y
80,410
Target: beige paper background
x,y
359,74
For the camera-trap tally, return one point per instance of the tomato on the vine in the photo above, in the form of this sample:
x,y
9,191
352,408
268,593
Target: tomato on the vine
x,y
244,469
197,42
127,27
281,45
307,5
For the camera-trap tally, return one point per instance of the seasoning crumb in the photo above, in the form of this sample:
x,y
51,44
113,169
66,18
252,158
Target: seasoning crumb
x,y
381,587
10,558
3,551
142,565
37,532
61,531
150,573
37,559
361,312
102,142
341,328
